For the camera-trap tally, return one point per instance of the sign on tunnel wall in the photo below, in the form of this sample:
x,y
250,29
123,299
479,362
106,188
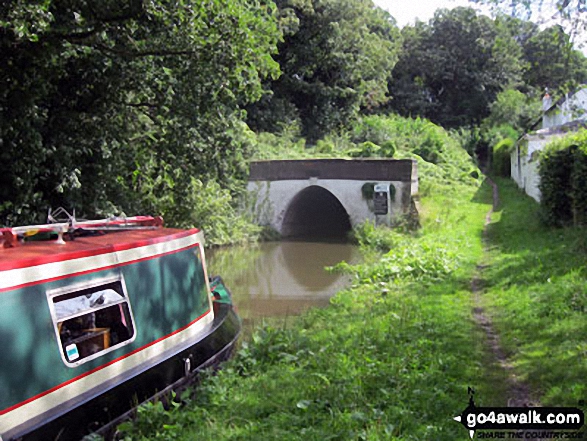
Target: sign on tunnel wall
x,y
380,199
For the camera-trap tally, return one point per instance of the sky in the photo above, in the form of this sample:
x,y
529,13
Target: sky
x,y
406,11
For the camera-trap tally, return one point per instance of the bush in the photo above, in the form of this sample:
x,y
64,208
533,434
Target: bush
x,y
406,259
368,190
579,186
188,203
375,237
469,137
440,156
563,179
274,146
388,149
375,129
494,135
555,187
431,146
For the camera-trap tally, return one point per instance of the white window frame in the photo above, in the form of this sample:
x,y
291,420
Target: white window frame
x,y
96,283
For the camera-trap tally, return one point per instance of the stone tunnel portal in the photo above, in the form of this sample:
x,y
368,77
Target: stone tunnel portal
x,y
315,213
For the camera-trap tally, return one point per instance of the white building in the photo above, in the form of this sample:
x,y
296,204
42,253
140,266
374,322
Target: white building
x,y
566,115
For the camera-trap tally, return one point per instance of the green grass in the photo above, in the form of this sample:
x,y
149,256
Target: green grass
x,y
390,359
537,291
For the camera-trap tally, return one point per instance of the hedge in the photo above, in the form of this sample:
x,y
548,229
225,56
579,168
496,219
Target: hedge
x,y
563,180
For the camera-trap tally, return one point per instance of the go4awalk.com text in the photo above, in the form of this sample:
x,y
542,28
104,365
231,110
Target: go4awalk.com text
x,y
522,422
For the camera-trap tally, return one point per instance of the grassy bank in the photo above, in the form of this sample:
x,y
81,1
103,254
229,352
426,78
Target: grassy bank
x,y
536,288
391,358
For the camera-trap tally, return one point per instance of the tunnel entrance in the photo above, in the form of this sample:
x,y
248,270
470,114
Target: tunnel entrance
x,y
316,214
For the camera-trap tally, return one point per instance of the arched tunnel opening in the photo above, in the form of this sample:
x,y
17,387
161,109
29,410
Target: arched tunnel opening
x,y
315,214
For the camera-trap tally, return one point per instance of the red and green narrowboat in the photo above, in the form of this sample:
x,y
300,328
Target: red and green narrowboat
x,y
96,317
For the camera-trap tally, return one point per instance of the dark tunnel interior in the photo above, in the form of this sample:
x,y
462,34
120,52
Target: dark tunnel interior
x,y
316,214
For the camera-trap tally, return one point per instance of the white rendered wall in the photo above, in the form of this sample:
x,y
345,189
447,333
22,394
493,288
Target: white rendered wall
x,y
525,167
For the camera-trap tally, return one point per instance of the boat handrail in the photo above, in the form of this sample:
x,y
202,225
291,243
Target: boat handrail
x,y
10,235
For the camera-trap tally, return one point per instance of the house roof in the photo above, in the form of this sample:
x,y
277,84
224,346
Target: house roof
x,y
558,130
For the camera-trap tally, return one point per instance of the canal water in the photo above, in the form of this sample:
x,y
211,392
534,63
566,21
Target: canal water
x,y
280,279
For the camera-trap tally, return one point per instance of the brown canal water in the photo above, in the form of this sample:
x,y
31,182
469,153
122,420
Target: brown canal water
x,y
280,279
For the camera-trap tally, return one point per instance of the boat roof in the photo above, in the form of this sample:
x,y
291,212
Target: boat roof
x,y
84,239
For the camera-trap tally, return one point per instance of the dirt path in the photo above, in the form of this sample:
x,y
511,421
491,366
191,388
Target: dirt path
x,y
518,392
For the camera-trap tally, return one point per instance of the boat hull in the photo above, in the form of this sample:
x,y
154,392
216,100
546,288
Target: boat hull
x,y
101,414
92,327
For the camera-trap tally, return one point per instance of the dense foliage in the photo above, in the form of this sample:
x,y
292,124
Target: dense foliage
x,y
440,155
563,180
452,69
501,160
572,13
117,106
552,61
335,59
512,109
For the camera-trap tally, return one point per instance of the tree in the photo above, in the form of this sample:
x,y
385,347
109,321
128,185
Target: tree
x,y
549,56
452,68
569,13
115,105
335,58
552,60
515,109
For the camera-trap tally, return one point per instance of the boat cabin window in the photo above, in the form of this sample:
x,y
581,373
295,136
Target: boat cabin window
x,y
91,320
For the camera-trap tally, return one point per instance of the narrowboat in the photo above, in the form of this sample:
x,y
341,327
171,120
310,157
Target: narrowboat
x,y
98,316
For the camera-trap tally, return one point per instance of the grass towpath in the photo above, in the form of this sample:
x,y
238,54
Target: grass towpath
x,y
518,392
392,357
535,289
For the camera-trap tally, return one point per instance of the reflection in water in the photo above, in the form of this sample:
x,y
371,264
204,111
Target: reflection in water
x,y
280,278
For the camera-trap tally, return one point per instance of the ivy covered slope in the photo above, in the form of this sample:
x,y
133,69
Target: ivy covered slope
x,y
390,358
441,158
